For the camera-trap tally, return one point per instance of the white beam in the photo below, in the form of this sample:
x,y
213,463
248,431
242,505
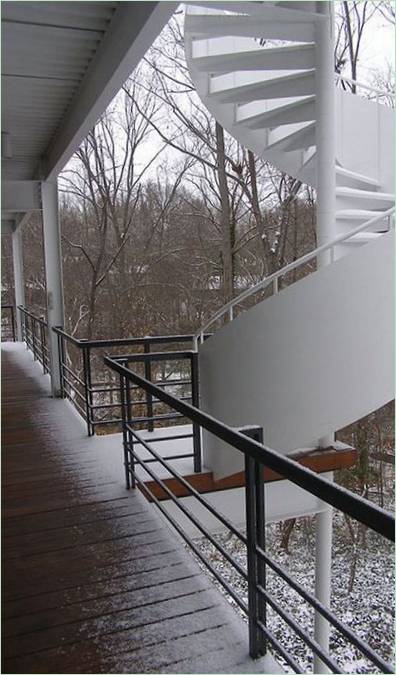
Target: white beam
x,y
323,549
325,231
20,195
325,130
53,276
19,281
133,29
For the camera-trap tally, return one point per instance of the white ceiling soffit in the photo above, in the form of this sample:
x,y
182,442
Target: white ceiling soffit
x,y
62,63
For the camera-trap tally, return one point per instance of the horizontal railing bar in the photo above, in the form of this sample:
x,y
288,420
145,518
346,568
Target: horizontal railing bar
x,y
159,383
139,420
103,406
153,418
73,388
195,548
155,356
360,509
288,619
170,383
102,390
99,406
324,611
150,339
188,486
169,458
38,319
182,398
187,512
168,438
116,420
73,374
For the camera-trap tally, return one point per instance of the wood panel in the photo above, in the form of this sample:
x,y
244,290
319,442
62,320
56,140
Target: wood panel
x,y
320,461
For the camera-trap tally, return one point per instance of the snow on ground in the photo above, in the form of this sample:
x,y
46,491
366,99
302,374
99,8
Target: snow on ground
x,y
368,609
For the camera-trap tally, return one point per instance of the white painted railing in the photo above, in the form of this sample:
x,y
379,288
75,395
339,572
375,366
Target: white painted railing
x,y
379,93
228,308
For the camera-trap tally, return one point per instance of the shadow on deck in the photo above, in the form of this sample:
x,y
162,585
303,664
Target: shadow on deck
x,y
93,580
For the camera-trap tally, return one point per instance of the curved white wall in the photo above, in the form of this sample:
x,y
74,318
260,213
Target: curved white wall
x,y
306,362
365,138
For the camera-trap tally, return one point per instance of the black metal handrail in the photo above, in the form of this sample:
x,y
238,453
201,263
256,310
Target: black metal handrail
x,y
99,402
35,335
8,330
257,455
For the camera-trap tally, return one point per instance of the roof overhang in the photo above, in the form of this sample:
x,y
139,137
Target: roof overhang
x,y
62,64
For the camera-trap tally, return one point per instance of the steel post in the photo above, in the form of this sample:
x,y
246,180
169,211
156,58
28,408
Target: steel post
x,y
195,403
255,534
149,398
19,282
53,276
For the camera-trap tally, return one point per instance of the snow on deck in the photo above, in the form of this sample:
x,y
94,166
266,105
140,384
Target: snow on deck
x,y
93,579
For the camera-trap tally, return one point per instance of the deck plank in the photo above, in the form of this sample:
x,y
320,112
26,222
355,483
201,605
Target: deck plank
x,y
93,580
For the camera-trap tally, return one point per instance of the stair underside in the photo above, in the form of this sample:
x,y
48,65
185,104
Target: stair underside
x,y
319,460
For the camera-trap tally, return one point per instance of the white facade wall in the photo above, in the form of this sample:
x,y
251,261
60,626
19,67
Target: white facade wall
x,y
304,363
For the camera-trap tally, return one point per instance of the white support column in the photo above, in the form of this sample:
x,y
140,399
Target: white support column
x,y
19,280
323,541
53,274
325,128
326,232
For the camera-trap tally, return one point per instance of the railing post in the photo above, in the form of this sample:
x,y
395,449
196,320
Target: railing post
x,y
33,324
13,323
131,459
87,387
195,402
124,431
149,398
255,534
90,393
61,350
45,353
21,322
26,321
42,345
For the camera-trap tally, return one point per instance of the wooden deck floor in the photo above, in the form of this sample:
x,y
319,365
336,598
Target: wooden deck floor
x,y
93,581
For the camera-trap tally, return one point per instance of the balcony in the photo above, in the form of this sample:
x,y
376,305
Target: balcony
x,y
95,580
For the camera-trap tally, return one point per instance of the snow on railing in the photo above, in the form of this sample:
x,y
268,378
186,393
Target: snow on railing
x,y
273,279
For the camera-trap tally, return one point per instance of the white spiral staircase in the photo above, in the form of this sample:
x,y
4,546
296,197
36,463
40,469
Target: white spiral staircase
x,y
318,355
